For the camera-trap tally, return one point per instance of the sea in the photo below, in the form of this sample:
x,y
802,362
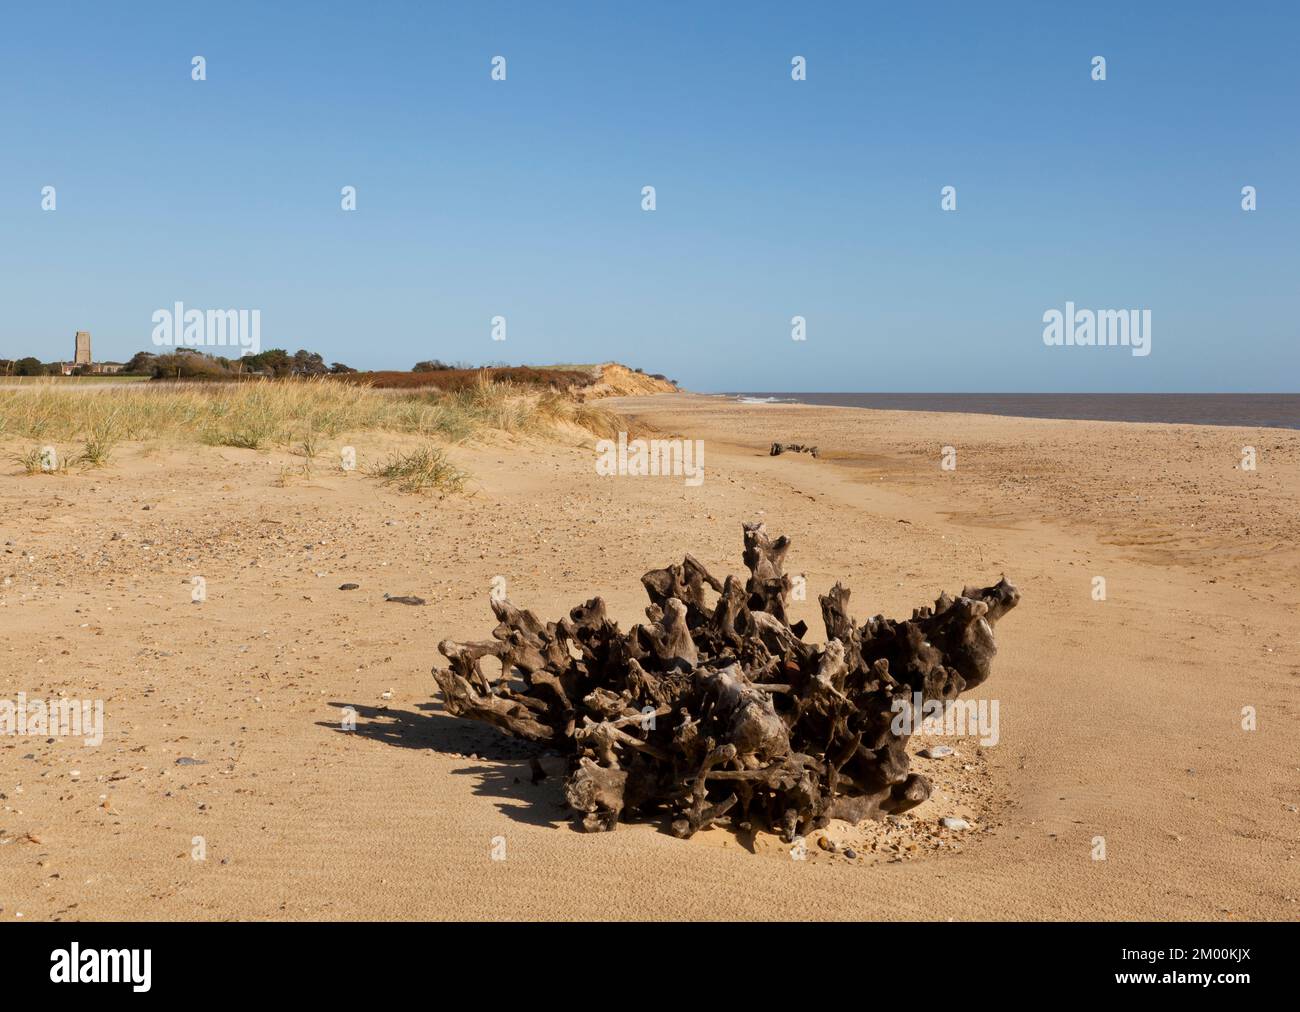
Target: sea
x,y
1279,411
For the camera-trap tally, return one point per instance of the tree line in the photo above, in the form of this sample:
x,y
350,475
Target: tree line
x,y
186,364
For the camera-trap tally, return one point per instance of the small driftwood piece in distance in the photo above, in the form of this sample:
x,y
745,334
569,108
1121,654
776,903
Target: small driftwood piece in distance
x,y
780,448
715,709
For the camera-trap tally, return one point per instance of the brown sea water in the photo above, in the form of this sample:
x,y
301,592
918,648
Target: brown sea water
x,y
1255,410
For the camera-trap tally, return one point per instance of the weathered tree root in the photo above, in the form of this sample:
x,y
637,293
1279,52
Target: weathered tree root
x,y
716,709
780,448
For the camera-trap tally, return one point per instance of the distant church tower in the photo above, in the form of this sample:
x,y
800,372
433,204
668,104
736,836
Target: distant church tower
x,y
82,356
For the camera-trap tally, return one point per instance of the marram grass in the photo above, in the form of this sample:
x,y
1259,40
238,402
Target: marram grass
x,y
277,413
426,469
298,415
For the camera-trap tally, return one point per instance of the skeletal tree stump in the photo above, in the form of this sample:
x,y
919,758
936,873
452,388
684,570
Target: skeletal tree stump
x,y
780,448
715,709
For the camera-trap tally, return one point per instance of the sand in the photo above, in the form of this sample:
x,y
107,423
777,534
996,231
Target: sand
x,y
1120,720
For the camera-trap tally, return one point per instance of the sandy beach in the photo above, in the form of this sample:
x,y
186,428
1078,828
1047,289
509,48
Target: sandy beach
x,y
1121,720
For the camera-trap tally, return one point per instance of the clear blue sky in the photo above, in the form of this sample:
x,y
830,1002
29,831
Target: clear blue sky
x,y
775,198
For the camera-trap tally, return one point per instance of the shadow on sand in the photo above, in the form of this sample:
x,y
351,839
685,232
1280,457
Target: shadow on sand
x,y
508,781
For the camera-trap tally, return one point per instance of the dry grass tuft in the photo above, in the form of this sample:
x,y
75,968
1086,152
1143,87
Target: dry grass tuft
x,y
423,470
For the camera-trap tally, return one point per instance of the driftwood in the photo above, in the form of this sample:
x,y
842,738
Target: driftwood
x,y
717,709
780,448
